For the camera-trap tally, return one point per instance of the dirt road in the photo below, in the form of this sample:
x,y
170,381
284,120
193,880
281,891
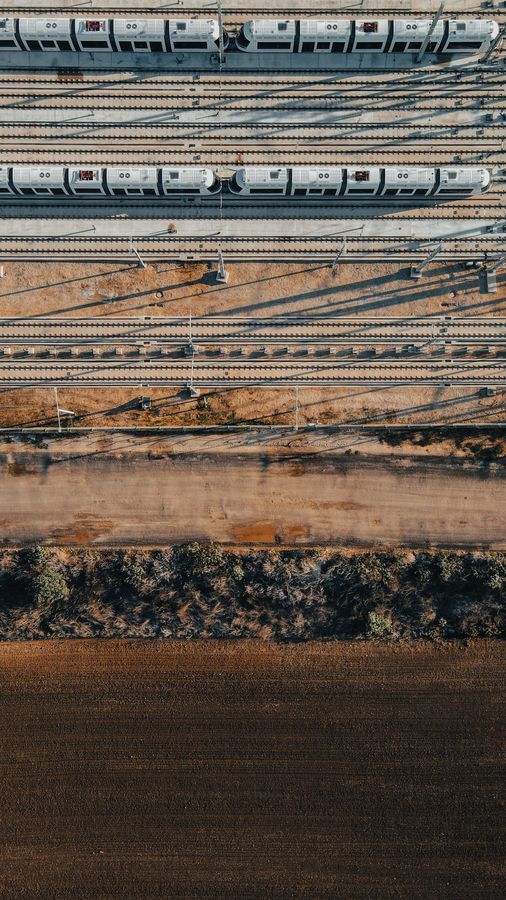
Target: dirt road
x,y
164,770
242,490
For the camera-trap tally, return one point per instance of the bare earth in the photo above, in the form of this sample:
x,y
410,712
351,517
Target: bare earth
x,y
145,770
243,489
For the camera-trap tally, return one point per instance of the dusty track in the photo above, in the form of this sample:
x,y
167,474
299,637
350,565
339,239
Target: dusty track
x,y
151,770
236,490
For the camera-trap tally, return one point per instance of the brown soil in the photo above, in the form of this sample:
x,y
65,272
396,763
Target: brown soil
x,y
164,770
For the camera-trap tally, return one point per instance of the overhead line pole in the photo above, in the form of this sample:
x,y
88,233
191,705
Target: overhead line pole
x,y
220,27
493,44
425,42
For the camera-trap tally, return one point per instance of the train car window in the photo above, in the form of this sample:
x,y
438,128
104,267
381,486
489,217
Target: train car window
x,y
314,191
337,48
181,26
168,190
282,26
362,175
156,46
94,45
307,47
8,44
355,190
274,45
174,175
323,45
406,191
267,191
452,176
421,192
299,192
85,174
58,192
415,45
64,45
399,47
33,45
150,192
329,192
50,44
370,27
391,192
274,174
463,45
141,45
125,45
461,26
91,26
369,45
189,45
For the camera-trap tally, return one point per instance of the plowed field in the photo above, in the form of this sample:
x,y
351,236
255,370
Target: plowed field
x,y
245,770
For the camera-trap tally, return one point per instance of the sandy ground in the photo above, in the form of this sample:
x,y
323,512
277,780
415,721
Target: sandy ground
x,y
154,492
253,290
352,405
161,770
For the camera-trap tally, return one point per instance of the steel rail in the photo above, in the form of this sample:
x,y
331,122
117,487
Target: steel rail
x,y
135,330
153,372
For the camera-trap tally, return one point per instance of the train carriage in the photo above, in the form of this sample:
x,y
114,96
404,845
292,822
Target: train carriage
x,y
188,181
132,182
306,181
39,181
45,34
461,181
6,187
370,36
139,35
268,34
363,182
93,34
408,182
194,34
263,180
9,39
324,35
82,181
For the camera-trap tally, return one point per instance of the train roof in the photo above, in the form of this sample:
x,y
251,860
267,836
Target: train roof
x,y
189,177
40,29
38,176
193,28
132,177
317,176
133,29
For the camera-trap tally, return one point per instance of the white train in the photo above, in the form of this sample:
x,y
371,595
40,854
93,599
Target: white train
x,y
128,35
258,35
365,35
360,183
99,181
339,183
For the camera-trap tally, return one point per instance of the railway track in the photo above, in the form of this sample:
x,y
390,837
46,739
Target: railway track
x,y
248,373
490,209
195,249
130,330
215,155
235,16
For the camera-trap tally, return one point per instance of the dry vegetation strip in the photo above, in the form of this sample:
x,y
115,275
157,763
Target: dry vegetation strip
x,y
205,591
223,770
